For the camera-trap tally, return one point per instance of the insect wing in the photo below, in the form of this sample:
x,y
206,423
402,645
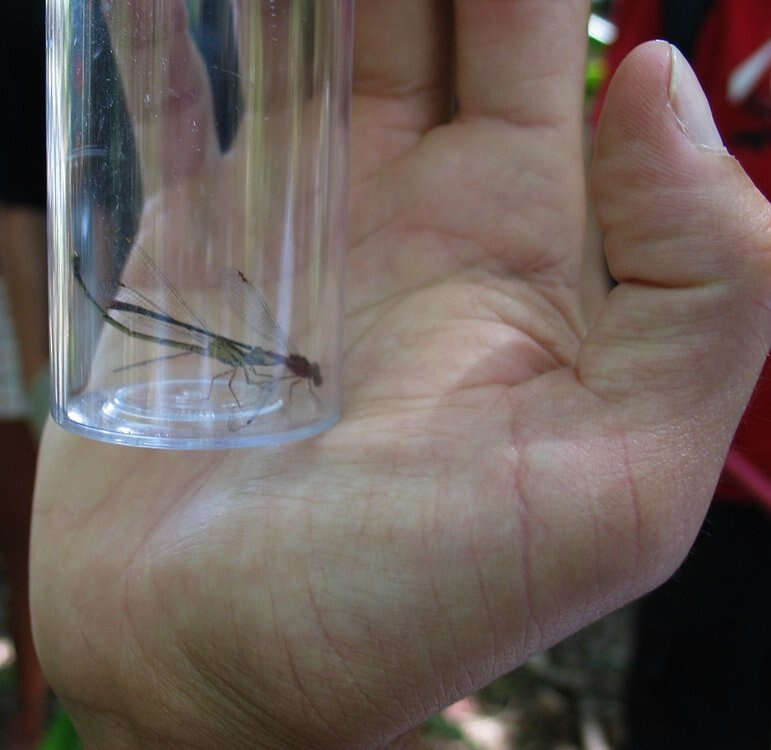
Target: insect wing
x,y
151,288
250,305
152,306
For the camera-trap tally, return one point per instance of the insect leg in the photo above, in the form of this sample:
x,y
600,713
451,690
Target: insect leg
x,y
262,380
216,377
256,375
151,361
230,385
313,393
294,382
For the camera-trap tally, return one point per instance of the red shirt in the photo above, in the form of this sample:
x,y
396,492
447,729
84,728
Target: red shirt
x,y
732,57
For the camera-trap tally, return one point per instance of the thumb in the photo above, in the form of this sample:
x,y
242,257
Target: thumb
x,y
681,340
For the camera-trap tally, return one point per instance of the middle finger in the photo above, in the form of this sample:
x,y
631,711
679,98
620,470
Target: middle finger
x,y
402,79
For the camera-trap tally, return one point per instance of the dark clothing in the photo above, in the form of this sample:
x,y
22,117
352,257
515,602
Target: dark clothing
x,y
22,103
701,676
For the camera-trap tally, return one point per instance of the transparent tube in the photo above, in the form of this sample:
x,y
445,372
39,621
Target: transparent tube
x,y
198,158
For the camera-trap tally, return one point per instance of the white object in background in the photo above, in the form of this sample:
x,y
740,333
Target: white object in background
x,y
602,30
744,79
7,653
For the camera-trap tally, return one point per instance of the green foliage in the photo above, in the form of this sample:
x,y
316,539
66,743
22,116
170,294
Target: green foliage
x,y
596,73
61,735
438,726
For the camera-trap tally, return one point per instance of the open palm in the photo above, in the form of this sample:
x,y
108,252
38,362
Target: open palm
x,y
508,467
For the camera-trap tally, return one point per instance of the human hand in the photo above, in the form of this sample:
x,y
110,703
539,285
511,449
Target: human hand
x,y
508,467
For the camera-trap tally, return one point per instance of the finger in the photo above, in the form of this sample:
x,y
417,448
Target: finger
x,y
271,41
286,54
683,337
167,90
522,60
402,69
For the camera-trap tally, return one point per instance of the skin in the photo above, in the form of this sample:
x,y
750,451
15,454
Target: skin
x,y
516,457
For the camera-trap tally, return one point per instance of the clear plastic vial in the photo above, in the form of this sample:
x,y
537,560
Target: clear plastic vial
x,y
198,160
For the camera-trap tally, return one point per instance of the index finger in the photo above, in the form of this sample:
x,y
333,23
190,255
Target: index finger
x,y
166,87
402,63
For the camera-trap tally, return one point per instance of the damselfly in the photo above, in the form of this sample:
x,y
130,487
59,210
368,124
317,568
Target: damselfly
x,y
135,314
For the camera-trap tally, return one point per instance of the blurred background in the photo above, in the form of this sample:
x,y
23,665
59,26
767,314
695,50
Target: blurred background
x,y
689,666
